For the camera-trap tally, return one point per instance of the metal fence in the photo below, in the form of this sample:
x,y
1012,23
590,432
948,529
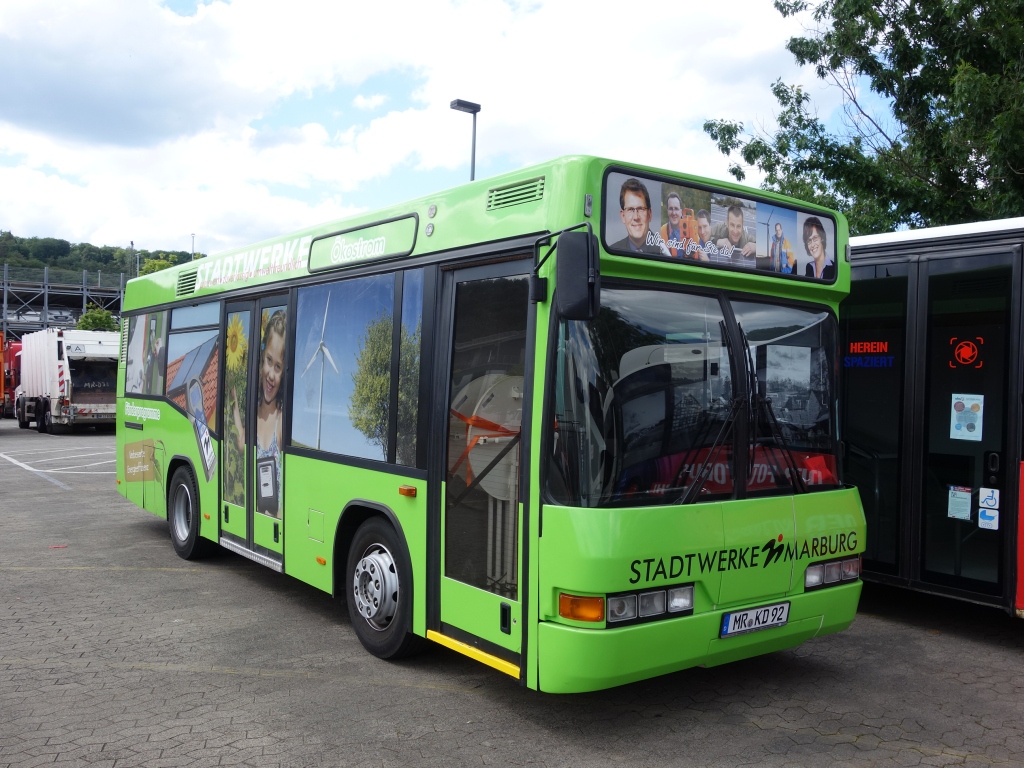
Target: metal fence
x,y
63,277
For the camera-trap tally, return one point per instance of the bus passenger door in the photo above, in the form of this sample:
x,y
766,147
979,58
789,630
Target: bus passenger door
x,y
267,436
235,421
967,360
485,385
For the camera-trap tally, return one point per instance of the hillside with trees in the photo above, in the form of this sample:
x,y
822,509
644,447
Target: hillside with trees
x,y
52,252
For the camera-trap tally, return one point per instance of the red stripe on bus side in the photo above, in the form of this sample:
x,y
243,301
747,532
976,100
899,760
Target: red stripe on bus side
x,y
1019,597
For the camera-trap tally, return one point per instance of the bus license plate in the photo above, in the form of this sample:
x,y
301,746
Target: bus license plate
x,y
754,619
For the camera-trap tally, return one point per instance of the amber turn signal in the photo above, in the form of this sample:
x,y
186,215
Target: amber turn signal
x,y
407,490
206,515
321,560
581,608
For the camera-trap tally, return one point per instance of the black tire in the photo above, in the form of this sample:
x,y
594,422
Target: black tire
x,y
42,417
378,591
19,412
183,514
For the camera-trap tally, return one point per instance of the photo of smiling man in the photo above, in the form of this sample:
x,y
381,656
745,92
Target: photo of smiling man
x,y
635,212
734,237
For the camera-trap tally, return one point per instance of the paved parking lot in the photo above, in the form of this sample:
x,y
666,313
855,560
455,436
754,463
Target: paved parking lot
x,y
114,652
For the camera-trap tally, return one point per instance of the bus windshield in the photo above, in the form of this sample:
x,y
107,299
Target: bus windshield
x,y
649,395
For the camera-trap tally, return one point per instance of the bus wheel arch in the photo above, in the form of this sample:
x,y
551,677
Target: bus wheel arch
x,y
355,513
369,543
184,510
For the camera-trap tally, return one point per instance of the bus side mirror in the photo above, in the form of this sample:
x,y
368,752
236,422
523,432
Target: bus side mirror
x,y
578,276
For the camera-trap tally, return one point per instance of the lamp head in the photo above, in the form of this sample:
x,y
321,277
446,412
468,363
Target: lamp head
x,y
465,106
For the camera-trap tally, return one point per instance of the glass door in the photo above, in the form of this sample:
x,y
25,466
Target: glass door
x,y
485,388
873,323
255,344
267,435
966,342
235,476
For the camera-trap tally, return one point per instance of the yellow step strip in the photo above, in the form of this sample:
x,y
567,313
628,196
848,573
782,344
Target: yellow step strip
x,y
474,653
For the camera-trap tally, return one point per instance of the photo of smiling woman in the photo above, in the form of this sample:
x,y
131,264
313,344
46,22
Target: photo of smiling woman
x,y
269,404
816,245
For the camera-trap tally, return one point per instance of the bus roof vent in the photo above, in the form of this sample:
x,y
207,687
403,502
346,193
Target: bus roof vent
x,y
186,282
516,194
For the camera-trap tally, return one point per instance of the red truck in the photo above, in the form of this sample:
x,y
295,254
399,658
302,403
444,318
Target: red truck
x,y
10,376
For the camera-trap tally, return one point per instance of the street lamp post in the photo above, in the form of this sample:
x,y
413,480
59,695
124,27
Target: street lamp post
x,y
193,246
468,106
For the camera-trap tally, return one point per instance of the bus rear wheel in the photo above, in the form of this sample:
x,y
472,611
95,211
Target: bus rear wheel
x,y
183,516
379,591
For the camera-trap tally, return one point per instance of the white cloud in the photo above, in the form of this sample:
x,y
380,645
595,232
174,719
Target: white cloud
x,y
126,121
369,102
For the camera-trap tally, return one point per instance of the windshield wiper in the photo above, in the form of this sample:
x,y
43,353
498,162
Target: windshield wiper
x,y
781,444
763,405
708,464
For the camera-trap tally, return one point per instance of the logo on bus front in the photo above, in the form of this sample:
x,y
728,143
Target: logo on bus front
x,y
692,564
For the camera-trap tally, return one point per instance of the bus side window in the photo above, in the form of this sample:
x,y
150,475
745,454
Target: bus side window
x,y
146,356
409,367
341,397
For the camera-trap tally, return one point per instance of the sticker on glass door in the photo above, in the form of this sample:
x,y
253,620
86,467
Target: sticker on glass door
x,y
966,417
959,507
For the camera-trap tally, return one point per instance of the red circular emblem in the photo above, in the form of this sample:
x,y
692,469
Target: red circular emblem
x,y
966,352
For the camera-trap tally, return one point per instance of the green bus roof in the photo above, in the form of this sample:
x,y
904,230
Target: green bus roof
x,y
531,201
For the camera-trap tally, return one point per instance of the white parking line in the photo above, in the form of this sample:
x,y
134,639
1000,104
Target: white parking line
x,y
66,472
39,472
75,456
52,450
79,466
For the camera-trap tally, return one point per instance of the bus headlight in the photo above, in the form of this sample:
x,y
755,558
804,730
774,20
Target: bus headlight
x,y
680,599
652,603
814,576
621,608
832,572
851,568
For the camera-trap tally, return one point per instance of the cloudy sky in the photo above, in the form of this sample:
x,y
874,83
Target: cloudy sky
x,y
148,120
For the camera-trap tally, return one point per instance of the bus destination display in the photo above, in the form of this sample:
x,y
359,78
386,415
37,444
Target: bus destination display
x,y
654,218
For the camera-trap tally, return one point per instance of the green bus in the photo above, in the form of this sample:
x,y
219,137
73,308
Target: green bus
x,y
577,422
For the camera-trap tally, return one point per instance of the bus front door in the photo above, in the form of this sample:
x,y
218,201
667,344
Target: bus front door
x,y
485,387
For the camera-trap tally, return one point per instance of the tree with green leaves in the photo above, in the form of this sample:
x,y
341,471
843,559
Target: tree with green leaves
x,y
96,319
369,407
944,149
154,265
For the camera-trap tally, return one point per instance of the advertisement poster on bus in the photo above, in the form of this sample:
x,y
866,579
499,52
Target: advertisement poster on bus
x,y
662,219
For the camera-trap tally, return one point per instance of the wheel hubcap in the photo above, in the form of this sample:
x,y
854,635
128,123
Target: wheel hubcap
x,y
181,513
375,587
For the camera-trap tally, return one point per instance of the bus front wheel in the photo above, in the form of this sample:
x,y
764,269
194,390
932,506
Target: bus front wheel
x,y
379,597
183,516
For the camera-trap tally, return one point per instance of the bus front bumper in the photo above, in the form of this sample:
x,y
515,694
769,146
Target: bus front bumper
x,y
574,660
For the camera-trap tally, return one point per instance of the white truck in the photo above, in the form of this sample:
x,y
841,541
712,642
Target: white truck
x,y
68,379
